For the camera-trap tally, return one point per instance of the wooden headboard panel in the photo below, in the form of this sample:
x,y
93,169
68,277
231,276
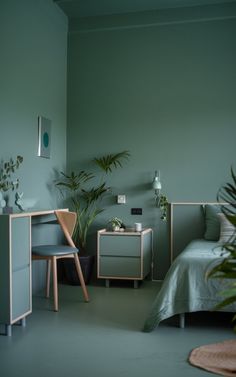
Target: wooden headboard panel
x,y
186,223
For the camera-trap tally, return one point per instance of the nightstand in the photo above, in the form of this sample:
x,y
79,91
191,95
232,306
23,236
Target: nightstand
x,y
124,255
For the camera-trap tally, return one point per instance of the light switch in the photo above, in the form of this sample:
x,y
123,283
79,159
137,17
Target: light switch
x,y
121,199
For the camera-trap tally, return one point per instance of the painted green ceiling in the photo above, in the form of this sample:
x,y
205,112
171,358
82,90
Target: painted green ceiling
x,y
87,8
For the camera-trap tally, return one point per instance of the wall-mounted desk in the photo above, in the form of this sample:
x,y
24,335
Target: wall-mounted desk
x,y
15,265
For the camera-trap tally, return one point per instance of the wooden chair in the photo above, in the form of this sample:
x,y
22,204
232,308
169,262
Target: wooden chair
x,y
52,253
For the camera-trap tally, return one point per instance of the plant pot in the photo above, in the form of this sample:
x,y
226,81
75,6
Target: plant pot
x,y
70,271
116,228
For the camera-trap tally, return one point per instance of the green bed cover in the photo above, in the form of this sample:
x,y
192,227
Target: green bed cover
x,y
185,287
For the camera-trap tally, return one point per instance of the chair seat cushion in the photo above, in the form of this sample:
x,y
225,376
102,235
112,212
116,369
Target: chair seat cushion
x,y
51,250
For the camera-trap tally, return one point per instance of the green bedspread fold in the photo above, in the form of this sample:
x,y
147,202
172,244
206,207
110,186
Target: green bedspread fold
x,y
186,288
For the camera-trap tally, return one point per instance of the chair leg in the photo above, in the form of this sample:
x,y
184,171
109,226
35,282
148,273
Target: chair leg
x,y
81,278
55,287
48,278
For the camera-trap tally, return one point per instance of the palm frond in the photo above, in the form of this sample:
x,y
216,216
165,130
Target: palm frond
x,y
73,181
92,195
110,161
226,302
233,175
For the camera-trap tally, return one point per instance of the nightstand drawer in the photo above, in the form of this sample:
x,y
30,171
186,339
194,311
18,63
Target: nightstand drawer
x,y
120,267
116,245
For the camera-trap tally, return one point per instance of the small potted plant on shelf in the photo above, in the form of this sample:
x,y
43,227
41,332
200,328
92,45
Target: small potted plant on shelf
x,y
116,224
86,200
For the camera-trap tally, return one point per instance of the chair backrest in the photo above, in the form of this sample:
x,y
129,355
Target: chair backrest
x,y
67,221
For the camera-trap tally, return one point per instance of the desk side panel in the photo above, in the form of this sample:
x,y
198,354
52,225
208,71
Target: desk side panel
x,y
5,285
21,267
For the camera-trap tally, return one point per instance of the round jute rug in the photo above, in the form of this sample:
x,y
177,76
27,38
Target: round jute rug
x,y
219,358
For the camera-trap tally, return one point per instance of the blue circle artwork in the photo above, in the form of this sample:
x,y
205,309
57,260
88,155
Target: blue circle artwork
x,y
45,139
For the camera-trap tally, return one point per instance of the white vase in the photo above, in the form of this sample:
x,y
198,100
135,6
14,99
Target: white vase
x,y
2,203
116,228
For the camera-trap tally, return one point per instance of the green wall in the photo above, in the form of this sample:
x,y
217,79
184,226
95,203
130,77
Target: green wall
x,y
161,85
33,64
33,40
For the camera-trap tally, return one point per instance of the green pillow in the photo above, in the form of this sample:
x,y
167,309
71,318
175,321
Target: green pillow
x,y
227,229
212,222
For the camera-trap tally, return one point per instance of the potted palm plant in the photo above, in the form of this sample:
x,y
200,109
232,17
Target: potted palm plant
x,y
227,268
86,200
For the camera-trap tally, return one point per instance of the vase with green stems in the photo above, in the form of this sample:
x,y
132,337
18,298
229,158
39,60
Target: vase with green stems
x,y
7,180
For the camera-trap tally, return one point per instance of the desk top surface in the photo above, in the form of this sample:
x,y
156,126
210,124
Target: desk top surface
x,y
36,212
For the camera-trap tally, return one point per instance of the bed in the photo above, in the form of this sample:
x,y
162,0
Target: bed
x,y
185,288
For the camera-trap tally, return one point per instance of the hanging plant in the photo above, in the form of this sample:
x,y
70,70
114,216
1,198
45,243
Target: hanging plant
x,y
163,205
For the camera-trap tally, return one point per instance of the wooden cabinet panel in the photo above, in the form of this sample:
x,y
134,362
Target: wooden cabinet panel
x,y
120,245
15,265
120,267
15,268
126,255
20,292
20,242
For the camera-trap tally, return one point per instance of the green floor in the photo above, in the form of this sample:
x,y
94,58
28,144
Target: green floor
x,y
103,338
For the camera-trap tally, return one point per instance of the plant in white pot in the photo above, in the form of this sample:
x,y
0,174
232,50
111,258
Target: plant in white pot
x,y
116,224
86,199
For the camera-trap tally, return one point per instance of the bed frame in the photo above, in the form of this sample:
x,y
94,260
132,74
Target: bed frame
x,y
178,243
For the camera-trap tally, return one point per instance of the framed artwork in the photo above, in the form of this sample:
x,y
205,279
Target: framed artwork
x,y
44,137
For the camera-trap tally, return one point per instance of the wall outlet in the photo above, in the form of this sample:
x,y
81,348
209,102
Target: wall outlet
x,y
121,199
136,211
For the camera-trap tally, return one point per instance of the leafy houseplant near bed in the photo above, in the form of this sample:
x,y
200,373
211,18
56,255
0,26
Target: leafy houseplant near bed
x,y
227,268
85,200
